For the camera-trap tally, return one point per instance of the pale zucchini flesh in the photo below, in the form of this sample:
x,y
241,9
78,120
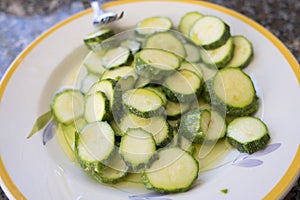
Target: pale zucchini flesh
x,y
243,52
151,25
157,126
156,63
116,57
218,57
209,32
248,134
97,107
166,41
183,86
67,106
194,125
137,148
143,102
174,171
235,89
94,145
187,21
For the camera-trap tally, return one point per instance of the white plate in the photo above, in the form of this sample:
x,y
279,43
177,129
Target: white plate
x,y
33,171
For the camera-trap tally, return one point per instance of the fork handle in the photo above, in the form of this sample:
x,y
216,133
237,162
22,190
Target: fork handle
x,y
96,5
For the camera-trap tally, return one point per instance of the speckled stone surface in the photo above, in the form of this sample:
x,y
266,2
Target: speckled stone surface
x,y
22,21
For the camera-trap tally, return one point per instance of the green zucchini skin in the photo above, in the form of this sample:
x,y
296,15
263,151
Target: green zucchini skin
x,y
76,114
240,41
250,147
191,126
150,71
181,97
99,36
193,172
245,110
256,134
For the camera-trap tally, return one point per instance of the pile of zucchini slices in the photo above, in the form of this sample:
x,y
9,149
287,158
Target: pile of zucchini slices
x,y
141,103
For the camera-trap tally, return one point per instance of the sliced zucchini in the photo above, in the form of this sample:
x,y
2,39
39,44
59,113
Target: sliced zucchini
x,y
175,110
194,125
97,107
116,57
174,171
137,148
209,32
248,134
93,40
234,88
159,92
243,52
93,63
192,53
157,126
115,170
142,82
125,75
151,25
194,67
183,86
217,126
94,145
166,41
219,56
112,91
70,130
186,144
142,102
187,21
156,63
67,105
133,45
88,81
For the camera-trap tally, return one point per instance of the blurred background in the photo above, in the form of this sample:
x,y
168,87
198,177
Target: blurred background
x,y
22,21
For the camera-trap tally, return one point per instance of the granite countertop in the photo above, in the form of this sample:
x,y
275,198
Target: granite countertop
x,y
22,21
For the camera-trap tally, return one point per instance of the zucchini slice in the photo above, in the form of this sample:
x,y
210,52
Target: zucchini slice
x,y
174,171
125,75
93,63
97,107
93,40
94,145
151,25
133,45
67,106
116,57
219,56
243,52
87,82
248,134
70,130
157,126
235,89
113,172
175,110
156,63
166,41
137,148
194,125
209,32
142,102
192,53
216,128
194,67
112,91
187,21
183,86
159,92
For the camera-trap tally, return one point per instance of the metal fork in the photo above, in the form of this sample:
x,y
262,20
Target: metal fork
x,y
100,16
